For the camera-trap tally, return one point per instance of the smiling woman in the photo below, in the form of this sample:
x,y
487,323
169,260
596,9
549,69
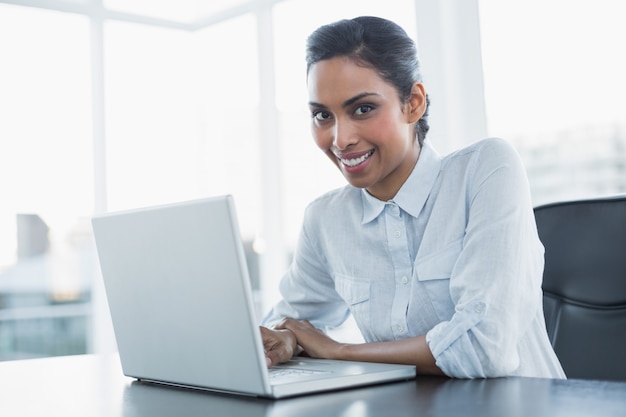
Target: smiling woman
x,y
360,122
436,258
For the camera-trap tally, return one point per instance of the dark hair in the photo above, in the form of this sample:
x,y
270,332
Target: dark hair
x,y
375,43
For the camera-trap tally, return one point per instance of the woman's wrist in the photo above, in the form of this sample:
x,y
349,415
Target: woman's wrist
x,y
342,352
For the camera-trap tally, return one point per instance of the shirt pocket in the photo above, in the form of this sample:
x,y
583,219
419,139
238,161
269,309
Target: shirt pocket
x,y
356,293
433,272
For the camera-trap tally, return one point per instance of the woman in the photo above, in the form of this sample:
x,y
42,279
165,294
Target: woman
x,y
437,259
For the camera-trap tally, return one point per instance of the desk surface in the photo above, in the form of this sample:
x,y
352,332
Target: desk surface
x,y
85,386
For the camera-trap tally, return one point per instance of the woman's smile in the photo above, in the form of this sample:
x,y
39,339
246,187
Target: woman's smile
x,y
354,159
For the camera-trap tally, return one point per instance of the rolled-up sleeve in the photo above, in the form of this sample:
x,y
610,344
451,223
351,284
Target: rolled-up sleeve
x,y
495,283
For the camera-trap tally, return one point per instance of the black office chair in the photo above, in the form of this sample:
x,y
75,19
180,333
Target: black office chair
x,y
584,285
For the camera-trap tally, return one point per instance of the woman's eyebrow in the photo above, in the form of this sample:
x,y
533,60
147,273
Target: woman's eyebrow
x,y
315,105
346,103
356,98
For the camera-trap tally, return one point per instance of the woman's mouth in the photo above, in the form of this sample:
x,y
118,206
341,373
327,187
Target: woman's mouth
x,y
353,160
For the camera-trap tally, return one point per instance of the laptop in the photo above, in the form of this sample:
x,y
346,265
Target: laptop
x,y
181,304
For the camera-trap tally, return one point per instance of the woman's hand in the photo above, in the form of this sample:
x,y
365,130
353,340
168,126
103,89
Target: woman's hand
x,y
280,345
313,341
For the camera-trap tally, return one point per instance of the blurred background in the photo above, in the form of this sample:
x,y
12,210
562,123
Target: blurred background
x,y
115,104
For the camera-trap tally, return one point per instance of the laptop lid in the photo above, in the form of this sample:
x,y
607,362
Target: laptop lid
x,y
180,299
181,311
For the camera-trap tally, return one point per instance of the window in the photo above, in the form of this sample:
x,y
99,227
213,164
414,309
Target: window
x,y
46,180
227,90
554,86
152,139
180,122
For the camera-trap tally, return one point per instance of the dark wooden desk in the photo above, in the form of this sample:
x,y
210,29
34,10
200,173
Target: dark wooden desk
x,y
85,386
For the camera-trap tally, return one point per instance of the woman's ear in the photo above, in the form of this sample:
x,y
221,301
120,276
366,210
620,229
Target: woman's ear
x,y
416,105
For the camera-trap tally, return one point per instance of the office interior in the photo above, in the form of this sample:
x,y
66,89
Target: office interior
x,y
114,104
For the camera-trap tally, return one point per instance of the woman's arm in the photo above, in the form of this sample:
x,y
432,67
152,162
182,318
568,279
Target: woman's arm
x,y
495,284
411,351
307,288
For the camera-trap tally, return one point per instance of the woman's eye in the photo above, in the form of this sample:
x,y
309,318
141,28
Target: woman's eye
x,y
321,115
362,109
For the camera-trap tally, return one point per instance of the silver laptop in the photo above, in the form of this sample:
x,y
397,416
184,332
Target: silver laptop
x,y
181,304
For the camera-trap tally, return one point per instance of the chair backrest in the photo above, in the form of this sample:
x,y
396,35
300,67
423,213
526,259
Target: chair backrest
x,y
584,284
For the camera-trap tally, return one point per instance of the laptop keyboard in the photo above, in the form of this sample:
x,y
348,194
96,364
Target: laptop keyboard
x,y
293,372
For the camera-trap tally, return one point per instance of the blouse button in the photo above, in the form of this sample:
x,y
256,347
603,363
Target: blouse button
x,y
397,233
405,280
479,307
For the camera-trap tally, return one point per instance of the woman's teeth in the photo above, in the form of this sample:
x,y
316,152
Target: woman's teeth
x,y
356,161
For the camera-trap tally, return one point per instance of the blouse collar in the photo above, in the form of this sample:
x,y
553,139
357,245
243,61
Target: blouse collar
x,y
413,194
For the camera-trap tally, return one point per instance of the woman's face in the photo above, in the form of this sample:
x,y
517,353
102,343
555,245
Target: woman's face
x,y
359,121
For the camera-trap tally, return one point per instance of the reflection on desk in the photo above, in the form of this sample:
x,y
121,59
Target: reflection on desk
x,y
94,386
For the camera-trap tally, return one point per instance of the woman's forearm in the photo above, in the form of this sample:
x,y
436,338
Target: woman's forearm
x,y
413,351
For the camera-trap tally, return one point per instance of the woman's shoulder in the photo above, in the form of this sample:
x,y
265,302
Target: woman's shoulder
x,y
327,206
487,146
338,197
485,152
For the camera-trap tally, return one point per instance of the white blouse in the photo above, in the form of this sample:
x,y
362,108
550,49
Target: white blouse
x,y
455,255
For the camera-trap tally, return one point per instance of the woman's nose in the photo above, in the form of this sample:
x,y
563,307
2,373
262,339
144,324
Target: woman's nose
x,y
344,135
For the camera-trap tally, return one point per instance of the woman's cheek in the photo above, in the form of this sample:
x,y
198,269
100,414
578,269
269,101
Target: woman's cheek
x,y
322,139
